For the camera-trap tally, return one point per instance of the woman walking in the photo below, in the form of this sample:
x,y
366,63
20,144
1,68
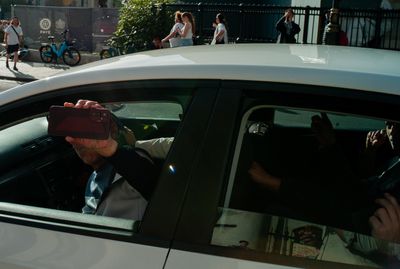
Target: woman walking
x,y
12,39
173,37
220,33
188,29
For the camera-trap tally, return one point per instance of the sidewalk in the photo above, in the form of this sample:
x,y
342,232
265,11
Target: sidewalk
x,y
29,71
31,68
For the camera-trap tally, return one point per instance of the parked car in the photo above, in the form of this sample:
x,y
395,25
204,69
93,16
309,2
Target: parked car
x,y
226,106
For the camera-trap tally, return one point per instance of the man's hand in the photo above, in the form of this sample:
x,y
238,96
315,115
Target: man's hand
x,y
385,222
375,139
323,130
105,148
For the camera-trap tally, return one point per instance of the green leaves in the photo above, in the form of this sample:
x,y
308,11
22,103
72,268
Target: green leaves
x,y
143,20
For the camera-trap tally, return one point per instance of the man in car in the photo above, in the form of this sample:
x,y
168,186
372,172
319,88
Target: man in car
x,y
317,193
347,191
124,176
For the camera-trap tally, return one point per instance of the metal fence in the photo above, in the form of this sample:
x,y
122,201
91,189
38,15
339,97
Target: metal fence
x,y
89,26
245,23
256,23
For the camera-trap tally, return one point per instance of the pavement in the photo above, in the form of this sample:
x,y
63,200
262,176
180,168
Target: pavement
x,y
28,71
31,68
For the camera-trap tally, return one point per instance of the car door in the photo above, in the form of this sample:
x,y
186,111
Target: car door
x,y
230,221
46,230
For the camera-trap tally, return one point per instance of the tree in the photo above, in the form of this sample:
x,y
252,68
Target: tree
x,y
142,20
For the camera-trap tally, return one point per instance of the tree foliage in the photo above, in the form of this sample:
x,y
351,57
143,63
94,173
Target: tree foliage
x,y
141,21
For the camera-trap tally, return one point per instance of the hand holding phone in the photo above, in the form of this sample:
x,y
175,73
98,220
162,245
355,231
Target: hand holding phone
x,y
91,123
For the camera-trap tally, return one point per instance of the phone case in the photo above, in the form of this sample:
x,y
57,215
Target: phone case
x,y
91,123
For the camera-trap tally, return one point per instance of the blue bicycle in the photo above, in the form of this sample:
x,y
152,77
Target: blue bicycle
x,y
69,54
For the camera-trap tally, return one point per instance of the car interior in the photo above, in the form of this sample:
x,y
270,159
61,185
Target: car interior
x,y
282,142
44,171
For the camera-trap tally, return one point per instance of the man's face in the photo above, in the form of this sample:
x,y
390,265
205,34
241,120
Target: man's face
x,y
89,156
393,134
15,21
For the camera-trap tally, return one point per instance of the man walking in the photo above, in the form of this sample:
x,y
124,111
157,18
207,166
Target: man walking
x,y
12,39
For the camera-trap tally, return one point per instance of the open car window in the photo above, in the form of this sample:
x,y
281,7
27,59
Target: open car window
x,y
44,180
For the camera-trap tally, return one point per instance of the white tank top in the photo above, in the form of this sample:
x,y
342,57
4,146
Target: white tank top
x,y
189,34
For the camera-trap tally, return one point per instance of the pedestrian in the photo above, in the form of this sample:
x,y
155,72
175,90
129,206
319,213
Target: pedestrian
x,y
287,27
4,24
173,37
220,33
13,39
188,29
155,43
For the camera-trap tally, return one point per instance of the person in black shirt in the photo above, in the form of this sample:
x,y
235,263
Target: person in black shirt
x,y
287,28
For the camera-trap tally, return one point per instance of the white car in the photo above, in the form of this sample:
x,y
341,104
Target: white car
x,y
240,115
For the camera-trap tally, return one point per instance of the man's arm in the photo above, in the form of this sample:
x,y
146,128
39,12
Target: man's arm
x,y
279,25
157,148
20,36
5,38
136,168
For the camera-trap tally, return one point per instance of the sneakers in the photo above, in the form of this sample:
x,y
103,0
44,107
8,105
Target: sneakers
x,y
15,68
7,65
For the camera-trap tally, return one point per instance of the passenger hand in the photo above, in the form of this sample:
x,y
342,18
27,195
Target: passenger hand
x,y
259,175
375,139
105,148
385,222
323,130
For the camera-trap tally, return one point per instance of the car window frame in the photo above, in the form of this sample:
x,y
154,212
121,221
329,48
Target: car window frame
x,y
349,101
31,107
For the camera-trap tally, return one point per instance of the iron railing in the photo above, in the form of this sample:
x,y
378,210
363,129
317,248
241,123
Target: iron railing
x,y
376,28
256,23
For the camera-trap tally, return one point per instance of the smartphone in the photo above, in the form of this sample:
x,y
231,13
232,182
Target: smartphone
x,y
93,123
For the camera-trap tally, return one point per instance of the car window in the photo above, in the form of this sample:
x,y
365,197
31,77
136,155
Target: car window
x,y
148,110
304,184
300,118
277,235
43,171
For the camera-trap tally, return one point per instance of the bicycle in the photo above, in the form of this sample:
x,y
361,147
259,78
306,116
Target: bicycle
x,y
113,49
22,52
69,54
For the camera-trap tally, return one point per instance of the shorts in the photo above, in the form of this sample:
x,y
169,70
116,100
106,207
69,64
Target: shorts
x,y
12,48
186,42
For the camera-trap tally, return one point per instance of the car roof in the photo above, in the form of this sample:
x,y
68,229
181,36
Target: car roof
x,y
334,66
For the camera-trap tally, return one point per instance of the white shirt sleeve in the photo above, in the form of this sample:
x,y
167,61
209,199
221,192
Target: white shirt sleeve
x,y
156,148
